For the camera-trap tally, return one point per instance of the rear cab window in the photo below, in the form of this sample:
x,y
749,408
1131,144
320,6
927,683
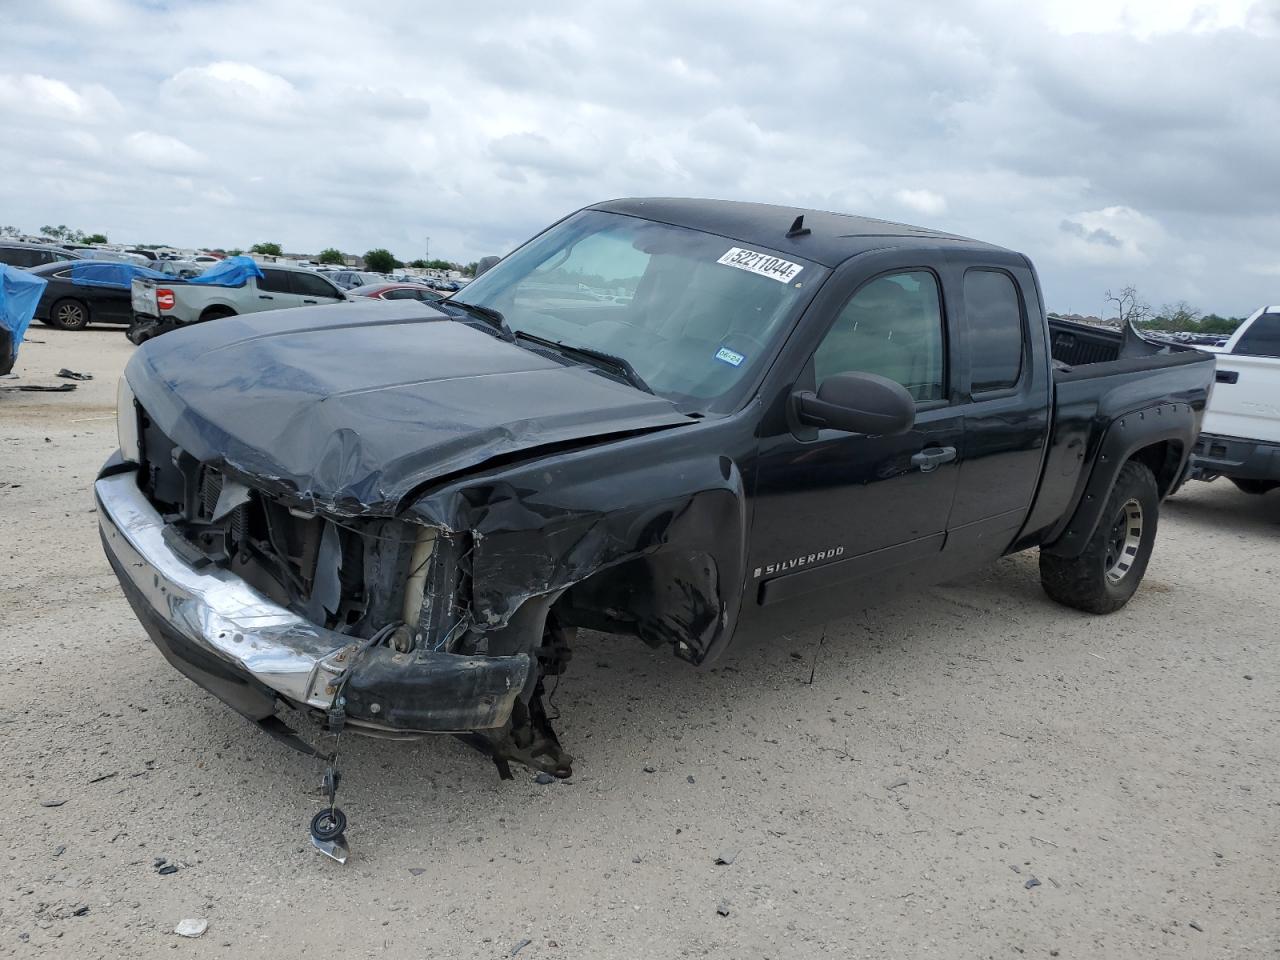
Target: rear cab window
x,y
996,330
1262,338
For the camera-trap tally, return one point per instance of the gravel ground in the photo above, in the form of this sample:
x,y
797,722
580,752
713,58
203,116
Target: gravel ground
x,y
953,747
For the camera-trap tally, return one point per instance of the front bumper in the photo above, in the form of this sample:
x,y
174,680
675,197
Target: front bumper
x,y
251,652
1215,456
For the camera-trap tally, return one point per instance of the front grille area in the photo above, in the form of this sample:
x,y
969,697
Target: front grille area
x,y
343,574
301,560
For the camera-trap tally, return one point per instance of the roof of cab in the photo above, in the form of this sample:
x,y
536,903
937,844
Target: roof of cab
x,y
833,237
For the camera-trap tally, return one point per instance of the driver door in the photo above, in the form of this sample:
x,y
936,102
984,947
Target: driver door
x,y
841,517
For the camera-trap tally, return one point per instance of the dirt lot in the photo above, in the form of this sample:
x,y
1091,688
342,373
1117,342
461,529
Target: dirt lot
x,y
951,747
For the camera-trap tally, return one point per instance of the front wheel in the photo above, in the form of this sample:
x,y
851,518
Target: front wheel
x,y
1106,574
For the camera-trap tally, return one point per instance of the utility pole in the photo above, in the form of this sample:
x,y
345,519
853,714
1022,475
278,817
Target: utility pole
x,y
428,256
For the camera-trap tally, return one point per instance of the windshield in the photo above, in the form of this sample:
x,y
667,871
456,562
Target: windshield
x,y
692,313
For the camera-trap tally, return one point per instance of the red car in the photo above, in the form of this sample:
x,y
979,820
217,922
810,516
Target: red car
x,y
396,291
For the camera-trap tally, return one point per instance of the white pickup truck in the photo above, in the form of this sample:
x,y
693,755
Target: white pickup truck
x,y
1240,436
160,306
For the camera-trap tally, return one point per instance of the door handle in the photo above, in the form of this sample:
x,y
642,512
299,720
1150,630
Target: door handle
x,y
1227,376
308,301
932,458
265,296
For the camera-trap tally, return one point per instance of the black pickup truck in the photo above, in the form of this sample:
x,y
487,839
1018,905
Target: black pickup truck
x,y
687,421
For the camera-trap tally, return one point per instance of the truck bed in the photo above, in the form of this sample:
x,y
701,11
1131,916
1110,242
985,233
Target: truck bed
x,y
1102,378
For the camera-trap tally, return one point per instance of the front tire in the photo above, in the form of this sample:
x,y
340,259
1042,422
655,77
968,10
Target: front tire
x,y
69,314
1110,568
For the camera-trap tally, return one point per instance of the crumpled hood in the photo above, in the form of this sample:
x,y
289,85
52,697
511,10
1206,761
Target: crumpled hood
x,y
350,407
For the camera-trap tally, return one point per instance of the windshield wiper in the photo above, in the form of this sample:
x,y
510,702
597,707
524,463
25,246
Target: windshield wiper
x,y
488,314
620,364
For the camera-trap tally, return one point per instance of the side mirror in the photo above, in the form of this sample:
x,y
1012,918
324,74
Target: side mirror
x,y
858,403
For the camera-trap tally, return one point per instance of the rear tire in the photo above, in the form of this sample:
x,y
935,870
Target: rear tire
x,y
69,314
1109,570
216,313
1256,487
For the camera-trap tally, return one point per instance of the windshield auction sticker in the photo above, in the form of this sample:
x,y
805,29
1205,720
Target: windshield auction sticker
x,y
765,264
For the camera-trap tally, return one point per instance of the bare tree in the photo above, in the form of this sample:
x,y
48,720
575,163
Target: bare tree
x,y
1180,315
1130,307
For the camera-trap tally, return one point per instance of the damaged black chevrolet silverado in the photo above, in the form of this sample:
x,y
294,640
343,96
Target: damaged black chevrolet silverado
x,y
687,421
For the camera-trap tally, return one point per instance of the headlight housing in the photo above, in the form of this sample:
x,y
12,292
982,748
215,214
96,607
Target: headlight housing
x,y
127,422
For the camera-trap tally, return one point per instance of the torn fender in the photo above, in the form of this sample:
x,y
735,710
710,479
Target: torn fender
x,y
646,536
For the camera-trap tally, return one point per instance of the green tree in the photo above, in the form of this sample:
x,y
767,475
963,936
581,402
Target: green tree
x,y
95,238
470,268
267,249
60,232
235,252
9,231
332,255
418,264
380,261
1212,323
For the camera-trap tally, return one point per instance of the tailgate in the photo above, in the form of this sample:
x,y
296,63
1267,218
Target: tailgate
x,y
1246,399
143,297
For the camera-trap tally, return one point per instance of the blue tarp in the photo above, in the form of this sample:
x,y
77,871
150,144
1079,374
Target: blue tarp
x,y
103,273
19,293
231,272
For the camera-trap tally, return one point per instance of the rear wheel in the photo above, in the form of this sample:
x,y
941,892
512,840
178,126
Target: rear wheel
x,y
1108,571
68,314
216,313
1256,486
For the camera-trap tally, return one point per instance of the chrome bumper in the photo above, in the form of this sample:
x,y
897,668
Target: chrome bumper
x,y
214,609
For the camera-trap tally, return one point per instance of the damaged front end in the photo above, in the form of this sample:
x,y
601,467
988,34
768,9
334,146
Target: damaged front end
x,y
359,618
406,547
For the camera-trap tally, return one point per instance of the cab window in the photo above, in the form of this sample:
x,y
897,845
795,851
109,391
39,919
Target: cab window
x,y
892,327
1262,339
993,315
274,281
311,285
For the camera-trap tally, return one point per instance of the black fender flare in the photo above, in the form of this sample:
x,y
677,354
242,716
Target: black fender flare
x,y
1127,435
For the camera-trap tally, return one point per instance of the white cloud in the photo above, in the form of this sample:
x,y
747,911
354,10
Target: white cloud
x,y
38,95
922,201
160,151
230,87
1116,235
1144,18
1133,142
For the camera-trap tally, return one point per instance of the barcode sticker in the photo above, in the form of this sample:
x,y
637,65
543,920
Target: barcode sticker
x,y
764,264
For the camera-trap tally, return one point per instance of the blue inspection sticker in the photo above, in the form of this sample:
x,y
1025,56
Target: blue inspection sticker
x,y
731,357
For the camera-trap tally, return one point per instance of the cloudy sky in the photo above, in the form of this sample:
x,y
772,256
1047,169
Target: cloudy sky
x,y
1114,142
